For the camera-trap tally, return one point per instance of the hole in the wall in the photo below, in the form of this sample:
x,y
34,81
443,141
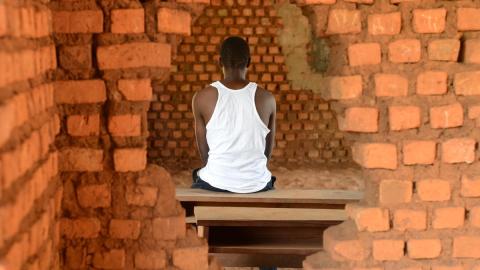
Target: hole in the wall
x,y
308,139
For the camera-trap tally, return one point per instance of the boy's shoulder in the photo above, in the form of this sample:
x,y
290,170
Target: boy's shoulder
x,y
264,94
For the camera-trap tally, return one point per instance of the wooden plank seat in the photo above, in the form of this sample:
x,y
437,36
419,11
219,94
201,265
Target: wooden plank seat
x,y
274,228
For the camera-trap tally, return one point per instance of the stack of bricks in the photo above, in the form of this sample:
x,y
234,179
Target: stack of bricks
x,y
415,130
306,126
118,213
30,191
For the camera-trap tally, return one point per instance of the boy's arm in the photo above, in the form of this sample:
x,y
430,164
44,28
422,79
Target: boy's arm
x,y
200,128
270,140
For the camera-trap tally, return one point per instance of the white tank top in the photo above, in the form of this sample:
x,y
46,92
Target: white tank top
x,y
236,139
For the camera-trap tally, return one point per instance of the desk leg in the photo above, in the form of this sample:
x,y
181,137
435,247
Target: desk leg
x,y
202,232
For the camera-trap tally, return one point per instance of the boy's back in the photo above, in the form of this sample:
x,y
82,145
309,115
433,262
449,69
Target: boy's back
x,y
235,127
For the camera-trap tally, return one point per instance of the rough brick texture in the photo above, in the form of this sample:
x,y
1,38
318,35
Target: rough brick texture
x,y
412,65
375,155
420,163
110,57
30,187
419,152
173,21
385,23
360,120
84,21
404,117
128,20
134,55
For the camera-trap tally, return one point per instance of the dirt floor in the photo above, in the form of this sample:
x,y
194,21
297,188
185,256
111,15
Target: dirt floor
x,y
301,177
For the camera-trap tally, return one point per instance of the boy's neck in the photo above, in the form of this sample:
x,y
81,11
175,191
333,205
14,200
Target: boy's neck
x,y
235,75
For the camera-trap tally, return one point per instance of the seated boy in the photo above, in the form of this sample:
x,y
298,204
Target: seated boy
x,y
234,127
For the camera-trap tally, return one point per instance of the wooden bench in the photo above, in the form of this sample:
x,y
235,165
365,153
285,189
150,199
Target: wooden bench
x,y
274,228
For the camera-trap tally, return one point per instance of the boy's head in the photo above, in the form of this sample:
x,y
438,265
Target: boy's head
x,y
235,53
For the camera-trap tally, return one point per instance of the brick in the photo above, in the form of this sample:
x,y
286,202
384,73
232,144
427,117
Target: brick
x,y
75,257
471,53
83,125
474,112
404,51
375,155
466,246
467,19
125,125
447,116
448,217
361,1
410,220
444,50
169,228
432,83
80,228
388,249
151,259
141,195
467,83
94,196
372,219
359,119
134,55
125,228
353,250
345,87
3,20
447,267
136,90
8,112
191,258
393,192
77,159
77,92
433,190
474,216
390,85
419,152
344,21
128,20
361,54
75,57
429,20
173,21
385,24
404,117
84,21
130,159
112,259
424,248
470,186
314,2
458,150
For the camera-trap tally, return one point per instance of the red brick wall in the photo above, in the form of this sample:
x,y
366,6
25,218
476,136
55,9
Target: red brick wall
x,y
415,64
418,139
30,190
306,126
118,213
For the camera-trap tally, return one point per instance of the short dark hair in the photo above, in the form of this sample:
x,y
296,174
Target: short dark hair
x,y
235,53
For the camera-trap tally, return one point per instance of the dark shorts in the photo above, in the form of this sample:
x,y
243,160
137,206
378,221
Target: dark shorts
x,y
197,182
